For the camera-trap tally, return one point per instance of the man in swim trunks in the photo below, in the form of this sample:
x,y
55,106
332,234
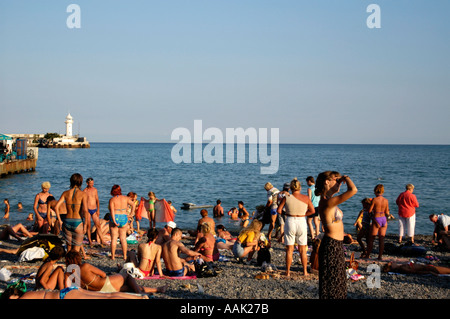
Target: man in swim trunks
x,y
176,266
93,209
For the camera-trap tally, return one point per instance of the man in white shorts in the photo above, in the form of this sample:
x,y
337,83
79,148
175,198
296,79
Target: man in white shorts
x,y
297,208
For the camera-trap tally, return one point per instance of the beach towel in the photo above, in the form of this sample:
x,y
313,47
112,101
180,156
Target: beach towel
x,y
142,210
163,212
32,254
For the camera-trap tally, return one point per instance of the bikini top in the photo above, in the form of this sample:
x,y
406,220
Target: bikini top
x,y
73,196
338,216
149,260
121,209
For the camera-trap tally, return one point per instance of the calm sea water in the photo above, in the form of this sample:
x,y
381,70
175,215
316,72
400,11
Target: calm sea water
x,y
149,167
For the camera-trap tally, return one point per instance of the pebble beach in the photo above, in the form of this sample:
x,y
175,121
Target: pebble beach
x,y
237,280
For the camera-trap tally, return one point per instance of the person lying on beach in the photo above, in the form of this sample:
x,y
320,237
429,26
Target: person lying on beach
x,y
224,239
413,268
49,277
148,255
206,244
72,292
15,231
176,266
94,279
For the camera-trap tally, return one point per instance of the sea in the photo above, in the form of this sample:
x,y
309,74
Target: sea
x,y
144,167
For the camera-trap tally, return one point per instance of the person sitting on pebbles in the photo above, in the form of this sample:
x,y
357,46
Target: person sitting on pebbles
x,y
176,266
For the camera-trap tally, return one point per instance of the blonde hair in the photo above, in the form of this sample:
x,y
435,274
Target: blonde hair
x,y
295,184
255,226
205,228
46,185
409,187
268,186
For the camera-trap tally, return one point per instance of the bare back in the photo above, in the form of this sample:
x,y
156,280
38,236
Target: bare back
x,y
170,255
380,206
75,202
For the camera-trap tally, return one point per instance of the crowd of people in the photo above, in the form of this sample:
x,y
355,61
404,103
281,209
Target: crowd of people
x,y
291,215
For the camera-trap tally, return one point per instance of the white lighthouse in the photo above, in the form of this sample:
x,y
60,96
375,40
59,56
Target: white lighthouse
x,y
69,140
69,122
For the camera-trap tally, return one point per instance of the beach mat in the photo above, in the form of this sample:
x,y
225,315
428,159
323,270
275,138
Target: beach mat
x,y
174,278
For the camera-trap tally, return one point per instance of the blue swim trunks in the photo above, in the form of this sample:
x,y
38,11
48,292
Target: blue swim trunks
x,y
175,273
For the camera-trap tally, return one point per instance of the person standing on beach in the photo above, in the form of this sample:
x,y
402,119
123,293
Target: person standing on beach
x,y
40,207
379,209
332,273
151,209
407,204
315,201
118,224
93,209
75,201
298,207
271,205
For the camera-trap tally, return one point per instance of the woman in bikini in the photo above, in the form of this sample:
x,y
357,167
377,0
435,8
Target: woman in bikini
x,y
118,224
40,208
379,209
206,244
72,292
94,279
75,201
148,256
419,269
332,274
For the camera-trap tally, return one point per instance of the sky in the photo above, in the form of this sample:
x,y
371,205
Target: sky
x,y
134,71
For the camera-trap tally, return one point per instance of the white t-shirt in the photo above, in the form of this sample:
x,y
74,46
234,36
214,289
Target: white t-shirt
x,y
272,195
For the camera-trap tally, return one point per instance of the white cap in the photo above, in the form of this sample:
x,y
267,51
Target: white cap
x,y
171,224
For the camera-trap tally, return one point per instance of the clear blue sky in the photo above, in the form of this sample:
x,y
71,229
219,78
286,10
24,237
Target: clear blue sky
x,y
136,70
